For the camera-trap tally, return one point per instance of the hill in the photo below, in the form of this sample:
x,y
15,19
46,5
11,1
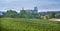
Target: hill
x,y
25,24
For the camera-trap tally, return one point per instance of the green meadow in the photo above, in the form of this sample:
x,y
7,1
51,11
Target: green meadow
x,y
25,24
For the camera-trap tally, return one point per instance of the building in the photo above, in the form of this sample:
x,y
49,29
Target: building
x,y
30,13
34,11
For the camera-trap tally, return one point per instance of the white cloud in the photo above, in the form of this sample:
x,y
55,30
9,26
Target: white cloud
x,y
41,4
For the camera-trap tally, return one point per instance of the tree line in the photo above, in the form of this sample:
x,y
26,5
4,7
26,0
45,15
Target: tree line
x,y
25,14
21,14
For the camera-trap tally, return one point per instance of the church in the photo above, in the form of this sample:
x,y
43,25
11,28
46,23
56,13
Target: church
x,y
34,11
30,13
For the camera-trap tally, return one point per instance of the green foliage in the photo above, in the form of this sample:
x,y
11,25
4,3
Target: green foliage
x,y
25,14
57,15
11,13
51,15
21,24
22,14
1,16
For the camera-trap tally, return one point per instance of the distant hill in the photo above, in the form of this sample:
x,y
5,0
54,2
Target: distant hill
x,y
1,13
48,12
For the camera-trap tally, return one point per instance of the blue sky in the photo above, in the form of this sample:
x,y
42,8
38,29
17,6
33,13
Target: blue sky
x,y
43,5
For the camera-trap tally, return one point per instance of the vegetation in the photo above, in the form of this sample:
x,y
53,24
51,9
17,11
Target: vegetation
x,y
12,14
25,21
21,14
25,24
25,14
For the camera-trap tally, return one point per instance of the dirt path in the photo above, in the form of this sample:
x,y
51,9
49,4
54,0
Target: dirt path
x,y
54,19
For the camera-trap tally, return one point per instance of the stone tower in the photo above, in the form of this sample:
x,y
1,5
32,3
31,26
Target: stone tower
x,y
35,10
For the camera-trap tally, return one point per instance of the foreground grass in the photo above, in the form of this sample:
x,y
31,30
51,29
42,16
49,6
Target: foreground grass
x,y
24,24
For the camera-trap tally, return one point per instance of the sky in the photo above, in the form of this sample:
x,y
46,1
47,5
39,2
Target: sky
x,y
43,5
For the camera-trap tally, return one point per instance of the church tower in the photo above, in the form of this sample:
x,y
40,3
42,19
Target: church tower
x,y
35,10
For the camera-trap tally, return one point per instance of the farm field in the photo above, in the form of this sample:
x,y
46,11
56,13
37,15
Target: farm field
x,y
25,24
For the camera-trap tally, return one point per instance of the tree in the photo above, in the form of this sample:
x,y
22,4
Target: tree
x,y
51,15
25,14
11,13
22,13
57,15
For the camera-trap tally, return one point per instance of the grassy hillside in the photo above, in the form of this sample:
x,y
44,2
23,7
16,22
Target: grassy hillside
x,y
21,24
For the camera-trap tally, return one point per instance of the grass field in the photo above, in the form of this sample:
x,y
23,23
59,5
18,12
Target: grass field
x,y
24,24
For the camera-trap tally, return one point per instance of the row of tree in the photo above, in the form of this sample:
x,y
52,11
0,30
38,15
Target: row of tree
x,y
25,14
22,14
